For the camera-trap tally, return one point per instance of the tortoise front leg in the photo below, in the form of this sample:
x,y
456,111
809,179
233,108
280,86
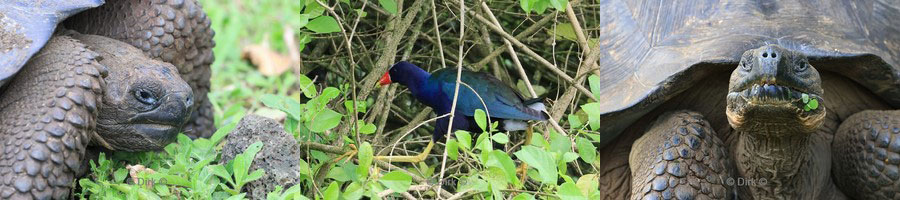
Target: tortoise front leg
x,y
866,161
46,120
680,157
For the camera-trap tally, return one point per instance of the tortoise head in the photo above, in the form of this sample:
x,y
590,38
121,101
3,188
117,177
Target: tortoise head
x,y
145,101
775,89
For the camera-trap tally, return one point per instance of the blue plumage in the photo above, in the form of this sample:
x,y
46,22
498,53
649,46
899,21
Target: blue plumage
x,y
436,91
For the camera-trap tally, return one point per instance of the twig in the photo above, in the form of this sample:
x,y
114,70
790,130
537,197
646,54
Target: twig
x,y
511,50
420,187
381,164
459,195
528,31
534,55
390,49
462,31
515,58
579,33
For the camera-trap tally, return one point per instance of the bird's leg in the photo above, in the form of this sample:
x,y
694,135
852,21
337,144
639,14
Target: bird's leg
x,y
523,169
411,159
349,154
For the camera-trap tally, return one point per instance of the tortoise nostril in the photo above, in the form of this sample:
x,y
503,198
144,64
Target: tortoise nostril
x,y
774,55
765,54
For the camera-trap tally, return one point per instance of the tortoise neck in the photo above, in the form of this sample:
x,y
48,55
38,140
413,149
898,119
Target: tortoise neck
x,y
775,165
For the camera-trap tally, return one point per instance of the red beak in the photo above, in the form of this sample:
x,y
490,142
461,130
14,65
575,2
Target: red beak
x,y
385,80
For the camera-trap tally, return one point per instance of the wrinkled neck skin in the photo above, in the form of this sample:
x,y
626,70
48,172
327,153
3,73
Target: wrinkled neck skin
x,y
776,162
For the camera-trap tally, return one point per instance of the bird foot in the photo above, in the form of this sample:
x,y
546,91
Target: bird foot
x,y
523,172
348,155
410,159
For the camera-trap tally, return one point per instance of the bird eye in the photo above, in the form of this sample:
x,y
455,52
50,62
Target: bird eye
x,y
145,97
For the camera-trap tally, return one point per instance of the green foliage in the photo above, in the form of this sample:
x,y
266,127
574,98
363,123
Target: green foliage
x,y
389,5
396,181
314,116
324,24
184,170
235,173
539,6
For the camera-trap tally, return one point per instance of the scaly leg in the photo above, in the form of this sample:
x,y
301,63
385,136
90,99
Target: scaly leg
x,y
523,169
47,118
866,155
411,159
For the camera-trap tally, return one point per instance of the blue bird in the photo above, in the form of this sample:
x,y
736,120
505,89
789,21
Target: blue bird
x,y
480,91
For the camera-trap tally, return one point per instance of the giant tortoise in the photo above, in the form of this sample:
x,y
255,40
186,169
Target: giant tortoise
x,y
755,99
65,88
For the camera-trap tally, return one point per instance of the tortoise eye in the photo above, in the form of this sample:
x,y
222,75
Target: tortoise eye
x,y
145,97
802,66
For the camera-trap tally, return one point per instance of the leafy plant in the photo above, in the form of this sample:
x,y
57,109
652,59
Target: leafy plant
x,y
236,172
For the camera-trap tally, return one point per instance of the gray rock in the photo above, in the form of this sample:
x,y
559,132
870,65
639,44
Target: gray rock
x,y
280,155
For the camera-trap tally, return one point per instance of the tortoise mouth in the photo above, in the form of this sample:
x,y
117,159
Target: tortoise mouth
x,y
773,94
766,104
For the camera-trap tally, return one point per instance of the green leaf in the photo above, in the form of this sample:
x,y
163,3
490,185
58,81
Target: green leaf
x,y
465,139
523,196
365,156
333,191
596,87
219,170
586,149
484,143
501,160
222,132
389,5
539,6
569,157
452,149
574,121
293,108
805,98
559,143
323,24
526,5
593,112
569,191
397,181
325,120
367,129
567,31
813,104
481,119
588,184
559,4
353,191
500,138
540,160
307,86
328,94
272,101
120,175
